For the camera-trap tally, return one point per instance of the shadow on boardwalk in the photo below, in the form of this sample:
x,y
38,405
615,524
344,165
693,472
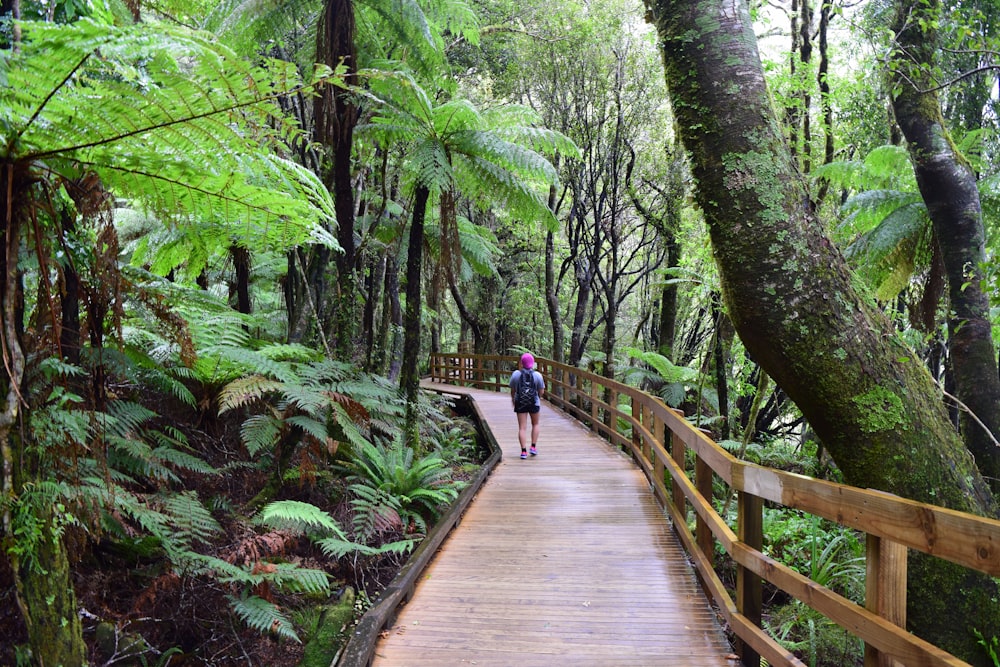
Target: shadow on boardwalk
x,y
563,559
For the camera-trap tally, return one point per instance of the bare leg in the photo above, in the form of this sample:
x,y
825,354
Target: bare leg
x,y
522,429
535,428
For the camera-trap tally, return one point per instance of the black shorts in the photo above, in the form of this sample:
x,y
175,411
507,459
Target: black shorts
x,y
533,410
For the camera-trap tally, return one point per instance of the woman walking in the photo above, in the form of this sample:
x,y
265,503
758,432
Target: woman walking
x,y
526,390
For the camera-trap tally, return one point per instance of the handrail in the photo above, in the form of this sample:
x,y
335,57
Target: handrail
x,y
658,439
359,648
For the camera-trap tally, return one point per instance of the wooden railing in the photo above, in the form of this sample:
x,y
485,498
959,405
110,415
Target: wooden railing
x,y
661,441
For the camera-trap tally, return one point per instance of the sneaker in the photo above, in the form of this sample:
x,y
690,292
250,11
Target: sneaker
x,y
524,454
534,452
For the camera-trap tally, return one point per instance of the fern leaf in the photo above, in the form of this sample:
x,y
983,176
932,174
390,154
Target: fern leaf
x,y
189,515
243,391
184,460
260,432
313,427
297,515
178,127
668,372
263,616
295,579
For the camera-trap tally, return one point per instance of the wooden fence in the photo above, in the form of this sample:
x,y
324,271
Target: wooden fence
x,y
681,463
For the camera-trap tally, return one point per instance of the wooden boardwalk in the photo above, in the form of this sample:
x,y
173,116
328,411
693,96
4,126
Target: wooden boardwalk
x,y
562,559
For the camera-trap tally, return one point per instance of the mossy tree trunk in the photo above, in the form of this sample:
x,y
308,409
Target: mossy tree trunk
x,y
789,294
948,187
33,542
55,633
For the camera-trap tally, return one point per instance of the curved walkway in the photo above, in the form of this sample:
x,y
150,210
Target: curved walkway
x,y
562,559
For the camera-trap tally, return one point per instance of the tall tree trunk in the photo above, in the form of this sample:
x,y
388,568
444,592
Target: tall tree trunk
x,y
551,290
948,187
469,318
375,280
241,272
825,15
335,117
790,296
43,587
434,302
719,362
409,377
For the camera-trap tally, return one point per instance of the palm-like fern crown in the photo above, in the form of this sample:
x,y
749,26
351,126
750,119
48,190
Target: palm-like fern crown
x,y
488,157
166,118
884,225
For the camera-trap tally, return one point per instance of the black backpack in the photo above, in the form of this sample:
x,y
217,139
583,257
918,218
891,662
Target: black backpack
x,y
526,394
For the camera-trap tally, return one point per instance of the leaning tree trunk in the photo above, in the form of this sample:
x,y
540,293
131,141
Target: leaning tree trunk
x,y
948,187
791,299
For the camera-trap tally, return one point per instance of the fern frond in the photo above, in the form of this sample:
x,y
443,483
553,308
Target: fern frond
x,y
260,432
348,428
455,116
263,616
246,390
167,116
246,24
134,456
190,516
385,27
513,157
295,579
862,212
479,247
338,548
486,182
297,515
289,352
184,460
429,164
666,369
312,427
539,139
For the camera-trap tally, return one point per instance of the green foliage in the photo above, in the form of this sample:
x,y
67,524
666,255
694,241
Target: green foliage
x,y
489,158
263,616
167,119
296,515
393,489
990,645
327,403
831,556
660,375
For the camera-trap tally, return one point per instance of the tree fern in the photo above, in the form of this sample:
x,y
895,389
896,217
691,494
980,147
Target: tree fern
x,y
389,480
174,134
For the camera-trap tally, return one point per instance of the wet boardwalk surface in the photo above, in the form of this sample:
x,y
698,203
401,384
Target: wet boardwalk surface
x,y
562,559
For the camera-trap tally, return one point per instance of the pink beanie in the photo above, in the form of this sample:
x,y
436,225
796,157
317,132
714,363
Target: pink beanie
x,y
527,361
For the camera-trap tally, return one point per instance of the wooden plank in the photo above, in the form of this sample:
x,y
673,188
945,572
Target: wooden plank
x,y
565,558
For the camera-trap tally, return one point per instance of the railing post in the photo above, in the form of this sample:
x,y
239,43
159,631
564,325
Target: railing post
x,y
749,590
703,482
640,448
885,590
677,452
593,406
659,435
